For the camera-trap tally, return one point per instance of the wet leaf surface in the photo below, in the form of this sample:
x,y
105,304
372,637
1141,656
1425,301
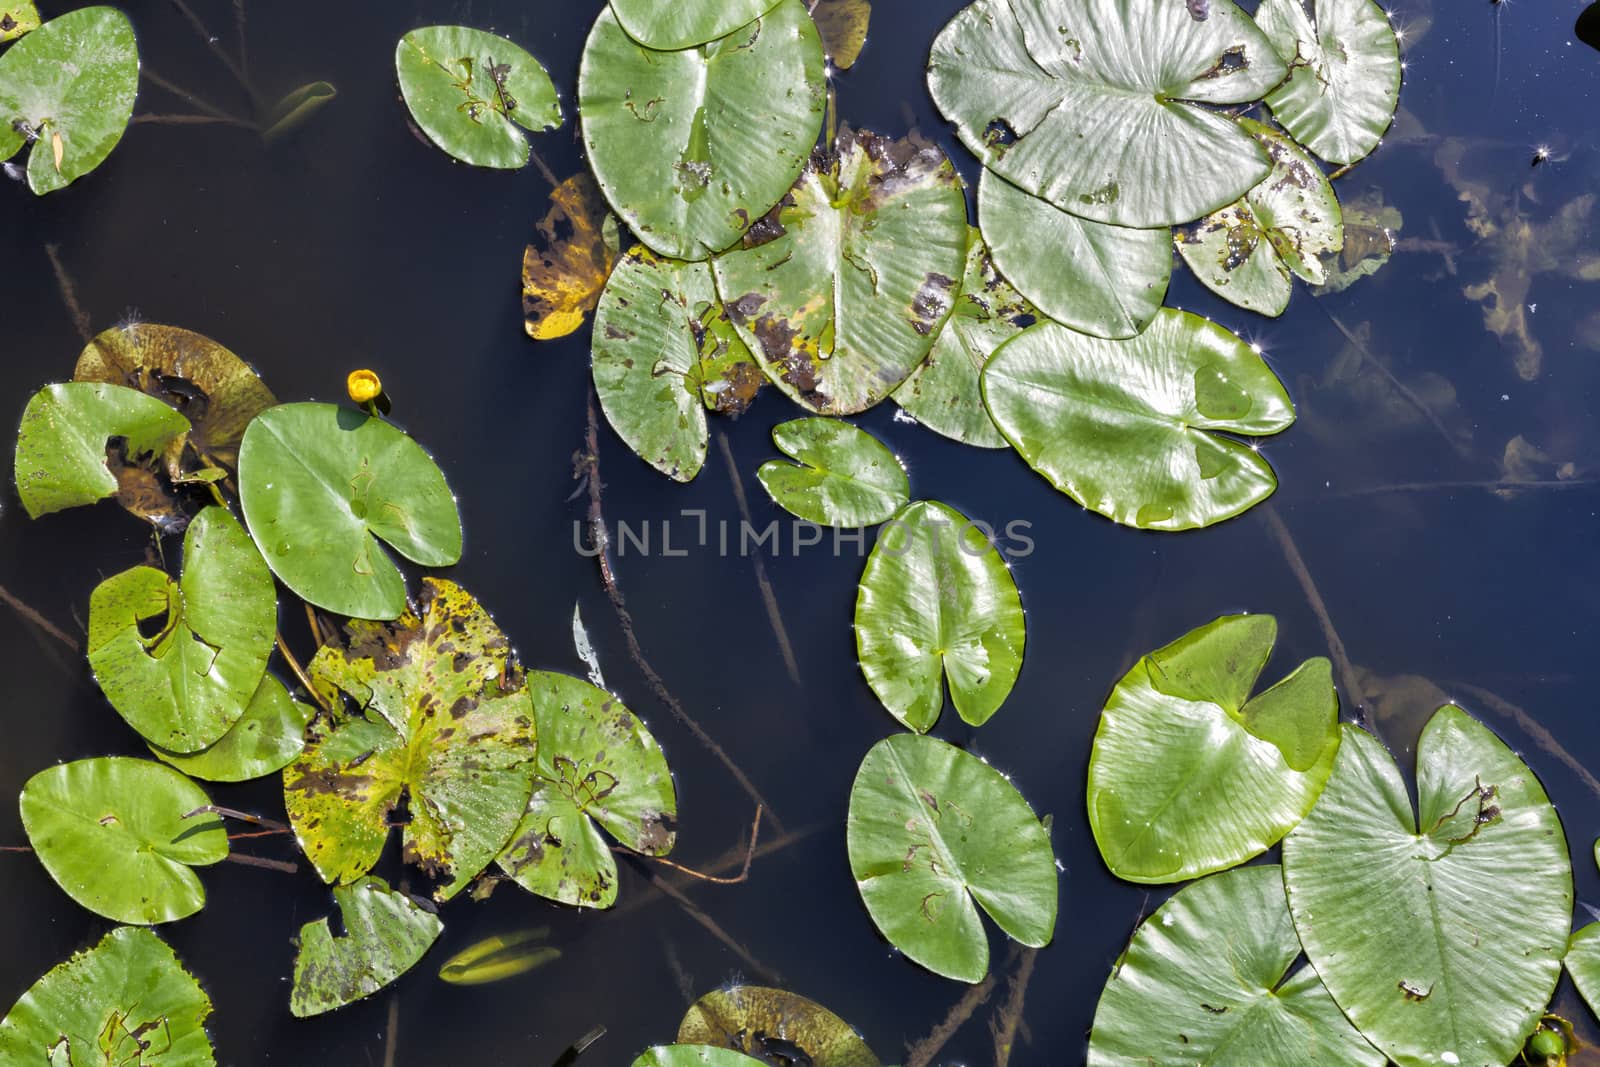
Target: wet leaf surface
x,y
1206,980
845,301
62,457
67,90
473,93
1404,915
1249,252
111,831
571,257
385,934
937,602
767,1022
319,482
436,714
127,1002
1189,774
597,767
265,740
943,393
1134,429
502,956
693,1056
931,829
685,23
1344,81
180,661
693,146
1108,281
1095,105
17,17
843,25
845,477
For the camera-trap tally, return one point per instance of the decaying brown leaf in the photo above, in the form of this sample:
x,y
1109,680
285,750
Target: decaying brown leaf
x,y
843,25
572,253
774,1026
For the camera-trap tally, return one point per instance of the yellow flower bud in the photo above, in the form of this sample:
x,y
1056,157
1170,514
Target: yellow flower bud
x,y
364,386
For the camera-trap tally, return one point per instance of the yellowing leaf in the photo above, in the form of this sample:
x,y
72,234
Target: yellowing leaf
x,y
843,25
571,257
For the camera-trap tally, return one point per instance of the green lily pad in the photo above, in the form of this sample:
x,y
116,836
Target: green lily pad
x,y
943,393
67,89
128,1001
937,601
1404,916
1249,252
1133,429
441,717
187,685
1206,980
318,482
17,17
61,459
501,956
845,301
473,93
743,1017
1583,963
112,833
693,146
1104,280
931,829
385,934
694,1056
265,740
1189,774
1344,83
1101,106
685,23
845,476
596,764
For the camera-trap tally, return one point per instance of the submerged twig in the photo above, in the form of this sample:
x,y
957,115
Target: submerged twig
x,y
699,916
239,39
921,1054
768,597
243,816
749,857
589,467
258,833
37,619
300,673
1003,1027
729,862
194,100
391,1039
261,861
69,293
544,168
171,119
15,848
1533,728
1495,486
216,48
579,1047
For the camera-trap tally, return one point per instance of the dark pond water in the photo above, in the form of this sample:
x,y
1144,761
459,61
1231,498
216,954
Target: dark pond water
x,y
352,244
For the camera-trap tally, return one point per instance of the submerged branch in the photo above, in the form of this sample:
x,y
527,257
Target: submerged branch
x,y
1496,486
922,1053
699,916
1533,728
37,619
1003,1027
300,673
194,100
192,120
213,43
744,873
243,816
261,861
69,293
768,597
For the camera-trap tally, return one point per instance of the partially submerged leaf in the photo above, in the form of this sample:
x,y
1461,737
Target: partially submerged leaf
x,y
112,833
685,23
1189,774
1099,106
1249,252
266,739
319,482
473,93
188,682
1371,229
754,1020
1344,74
62,458
845,477
585,648
597,764
295,108
693,1056
943,393
126,999
1583,963
385,934
843,25
931,829
502,956
1104,280
441,718
844,302
1405,915
17,17
1134,429
693,146
937,601
1206,980
569,260
67,89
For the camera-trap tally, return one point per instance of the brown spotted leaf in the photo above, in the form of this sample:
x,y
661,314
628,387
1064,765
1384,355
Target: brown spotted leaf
x,y
843,25
569,260
435,712
596,764
754,1019
857,275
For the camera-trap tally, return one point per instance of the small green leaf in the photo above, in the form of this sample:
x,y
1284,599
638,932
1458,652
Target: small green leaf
x,y
61,445
494,959
267,739
1583,963
1133,429
937,601
385,934
1188,775
318,482
187,685
17,17
931,829
470,91
685,23
112,833
126,999
740,1016
845,477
